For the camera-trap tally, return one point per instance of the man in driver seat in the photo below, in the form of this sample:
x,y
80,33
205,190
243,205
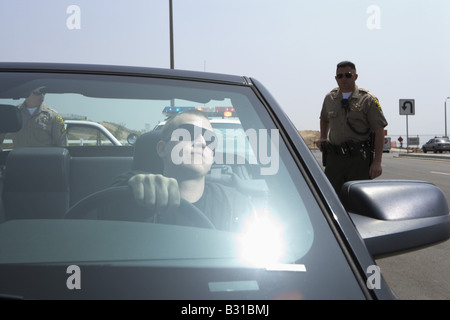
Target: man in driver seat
x,y
186,149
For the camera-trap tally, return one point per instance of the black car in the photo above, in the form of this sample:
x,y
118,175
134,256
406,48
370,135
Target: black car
x,y
68,231
437,145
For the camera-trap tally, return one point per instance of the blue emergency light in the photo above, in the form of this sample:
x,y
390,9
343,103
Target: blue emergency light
x,y
209,111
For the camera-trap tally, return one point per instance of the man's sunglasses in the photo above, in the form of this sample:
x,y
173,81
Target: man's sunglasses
x,y
348,75
190,132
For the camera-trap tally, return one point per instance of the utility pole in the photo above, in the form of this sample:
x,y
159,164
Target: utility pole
x,y
445,115
172,63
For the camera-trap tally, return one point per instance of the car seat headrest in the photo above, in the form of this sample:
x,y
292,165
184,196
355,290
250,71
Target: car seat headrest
x,y
10,118
145,156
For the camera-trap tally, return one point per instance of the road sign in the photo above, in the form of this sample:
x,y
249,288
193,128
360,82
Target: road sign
x,y
407,107
413,141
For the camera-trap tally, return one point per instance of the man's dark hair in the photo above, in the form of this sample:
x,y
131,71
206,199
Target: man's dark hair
x,y
344,64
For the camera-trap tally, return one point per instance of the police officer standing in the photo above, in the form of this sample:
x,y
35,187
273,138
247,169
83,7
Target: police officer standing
x,y
42,126
351,130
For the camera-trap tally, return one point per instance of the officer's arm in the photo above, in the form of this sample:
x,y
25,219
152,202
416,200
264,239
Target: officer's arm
x,y
324,128
59,134
379,144
375,169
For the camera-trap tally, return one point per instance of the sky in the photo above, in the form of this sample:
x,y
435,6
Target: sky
x,y
401,48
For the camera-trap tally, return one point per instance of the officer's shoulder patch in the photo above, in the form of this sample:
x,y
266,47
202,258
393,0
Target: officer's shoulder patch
x,y
376,104
60,121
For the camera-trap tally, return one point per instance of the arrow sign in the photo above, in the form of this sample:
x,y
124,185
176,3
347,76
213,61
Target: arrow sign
x,y
407,107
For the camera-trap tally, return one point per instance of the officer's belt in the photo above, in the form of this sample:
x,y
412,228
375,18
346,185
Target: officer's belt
x,y
348,148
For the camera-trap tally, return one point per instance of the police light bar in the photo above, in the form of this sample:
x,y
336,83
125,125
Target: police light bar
x,y
209,111
174,110
225,111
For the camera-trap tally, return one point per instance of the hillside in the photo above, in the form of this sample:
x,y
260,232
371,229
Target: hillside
x,y
310,136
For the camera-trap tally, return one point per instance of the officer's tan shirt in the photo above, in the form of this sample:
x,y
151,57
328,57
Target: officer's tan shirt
x,y
364,112
44,128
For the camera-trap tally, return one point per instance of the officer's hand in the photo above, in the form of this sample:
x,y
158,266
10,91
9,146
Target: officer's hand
x,y
155,191
319,143
375,170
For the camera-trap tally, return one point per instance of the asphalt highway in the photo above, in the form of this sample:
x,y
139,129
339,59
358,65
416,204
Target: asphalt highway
x,y
421,274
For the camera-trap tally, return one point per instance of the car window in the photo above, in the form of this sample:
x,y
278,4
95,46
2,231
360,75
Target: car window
x,y
277,231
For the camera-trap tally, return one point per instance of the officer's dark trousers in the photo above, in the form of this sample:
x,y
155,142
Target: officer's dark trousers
x,y
341,168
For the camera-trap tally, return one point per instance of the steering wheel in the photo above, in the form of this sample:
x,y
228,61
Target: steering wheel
x,y
186,214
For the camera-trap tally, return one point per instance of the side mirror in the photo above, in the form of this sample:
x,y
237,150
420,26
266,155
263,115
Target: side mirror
x,y
10,118
131,139
397,215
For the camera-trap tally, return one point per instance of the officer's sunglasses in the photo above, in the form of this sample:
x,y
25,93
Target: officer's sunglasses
x,y
348,75
194,132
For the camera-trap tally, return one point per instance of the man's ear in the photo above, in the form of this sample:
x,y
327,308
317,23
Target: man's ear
x,y
161,148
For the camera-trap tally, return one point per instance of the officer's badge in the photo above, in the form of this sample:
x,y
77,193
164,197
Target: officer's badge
x,y
45,117
356,107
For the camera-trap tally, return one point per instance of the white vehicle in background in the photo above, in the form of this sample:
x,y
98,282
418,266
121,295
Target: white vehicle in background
x,y
84,132
387,144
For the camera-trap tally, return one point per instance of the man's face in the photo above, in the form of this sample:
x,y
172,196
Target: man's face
x,y
189,150
345,78
36,98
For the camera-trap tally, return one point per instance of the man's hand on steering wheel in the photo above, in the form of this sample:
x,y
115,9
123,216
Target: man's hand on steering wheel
x,y
155,191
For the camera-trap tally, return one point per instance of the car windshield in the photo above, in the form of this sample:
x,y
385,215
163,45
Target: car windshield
x,y
278,218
